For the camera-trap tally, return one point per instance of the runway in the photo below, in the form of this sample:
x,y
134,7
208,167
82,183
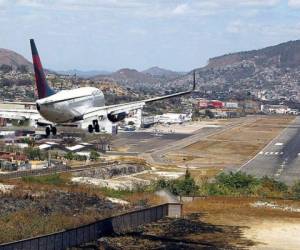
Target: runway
x,y
280,159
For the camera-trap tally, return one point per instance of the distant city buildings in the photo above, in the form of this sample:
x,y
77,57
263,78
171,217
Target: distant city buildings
x,y
278,109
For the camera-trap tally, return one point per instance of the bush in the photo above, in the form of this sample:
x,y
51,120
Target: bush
x,y
272,185
182,187
236,180
94,155
296,190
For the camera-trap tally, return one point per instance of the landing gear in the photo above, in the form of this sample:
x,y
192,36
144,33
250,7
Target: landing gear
x,y
90,128
50,129
54,131
94,127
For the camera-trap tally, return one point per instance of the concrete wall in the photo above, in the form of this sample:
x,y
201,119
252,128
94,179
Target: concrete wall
x,y
91,232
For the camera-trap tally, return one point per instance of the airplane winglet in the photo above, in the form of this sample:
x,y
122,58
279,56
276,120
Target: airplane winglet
x,y
194,80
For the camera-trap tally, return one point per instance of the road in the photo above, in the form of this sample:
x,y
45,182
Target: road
x,y
280,159
140,142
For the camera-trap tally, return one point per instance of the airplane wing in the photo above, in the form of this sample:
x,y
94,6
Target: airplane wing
x,y
114,110
127,107
24,115
19,114
20,103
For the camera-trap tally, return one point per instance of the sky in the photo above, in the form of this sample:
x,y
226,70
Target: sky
x,y
173,34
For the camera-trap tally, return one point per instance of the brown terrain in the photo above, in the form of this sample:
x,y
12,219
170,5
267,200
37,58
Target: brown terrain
x,y
11,58
231,147
218,223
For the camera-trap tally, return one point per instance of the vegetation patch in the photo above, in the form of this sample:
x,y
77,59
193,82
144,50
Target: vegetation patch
x,y
54,179
236,184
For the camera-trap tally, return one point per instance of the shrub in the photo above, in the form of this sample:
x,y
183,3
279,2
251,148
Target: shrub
x,y
236,180
243,184
296,190
94,155
185,186
273,185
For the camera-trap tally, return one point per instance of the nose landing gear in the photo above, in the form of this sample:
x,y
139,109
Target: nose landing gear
x,y
50,129
94,127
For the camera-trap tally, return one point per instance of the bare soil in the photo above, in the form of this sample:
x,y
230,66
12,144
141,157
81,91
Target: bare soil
x,y
217,223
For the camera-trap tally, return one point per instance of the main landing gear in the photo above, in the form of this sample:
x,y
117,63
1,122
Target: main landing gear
x,y
49,130
94,127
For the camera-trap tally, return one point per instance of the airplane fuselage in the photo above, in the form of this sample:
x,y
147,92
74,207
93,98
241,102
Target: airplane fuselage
x,y
69,105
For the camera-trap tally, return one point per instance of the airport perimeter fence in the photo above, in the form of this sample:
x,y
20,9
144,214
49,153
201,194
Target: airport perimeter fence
x,y
52,170
92,232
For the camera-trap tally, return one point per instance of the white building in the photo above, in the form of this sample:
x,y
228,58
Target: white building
x,y
173,118
275,109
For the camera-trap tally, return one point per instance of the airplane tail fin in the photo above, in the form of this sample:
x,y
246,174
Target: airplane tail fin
x,y
42,87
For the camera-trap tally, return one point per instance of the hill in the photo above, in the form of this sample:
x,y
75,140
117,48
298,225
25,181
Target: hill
x,y
163,73
130,78
81,73
11,58
147,81
271,73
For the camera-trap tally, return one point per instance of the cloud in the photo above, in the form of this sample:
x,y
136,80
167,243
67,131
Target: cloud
x,y
155,8
235,27
294,3
280,30
180,9
259,3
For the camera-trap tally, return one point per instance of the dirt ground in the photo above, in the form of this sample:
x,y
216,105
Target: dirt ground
x,y
275,234
264,228
232,147
217,223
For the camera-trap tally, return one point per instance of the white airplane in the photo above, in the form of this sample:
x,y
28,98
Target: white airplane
x,y
70,107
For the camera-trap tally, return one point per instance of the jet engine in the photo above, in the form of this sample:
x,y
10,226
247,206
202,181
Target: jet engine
x,y
116,117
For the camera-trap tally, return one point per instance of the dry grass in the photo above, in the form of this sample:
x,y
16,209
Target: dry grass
x,y
231,210
234,146
150,198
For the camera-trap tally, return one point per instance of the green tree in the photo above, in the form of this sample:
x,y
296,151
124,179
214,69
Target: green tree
x,y
187,186
29,141
183,187
69,156
94,155
34,153
236,180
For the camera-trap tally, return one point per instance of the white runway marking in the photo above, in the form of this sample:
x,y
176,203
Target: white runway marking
x,y
272,153
278,144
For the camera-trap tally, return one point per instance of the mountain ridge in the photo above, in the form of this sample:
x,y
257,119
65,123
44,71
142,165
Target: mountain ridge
x,y
14,59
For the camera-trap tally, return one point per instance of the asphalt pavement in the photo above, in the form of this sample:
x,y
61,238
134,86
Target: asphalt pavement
x,y
280,159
